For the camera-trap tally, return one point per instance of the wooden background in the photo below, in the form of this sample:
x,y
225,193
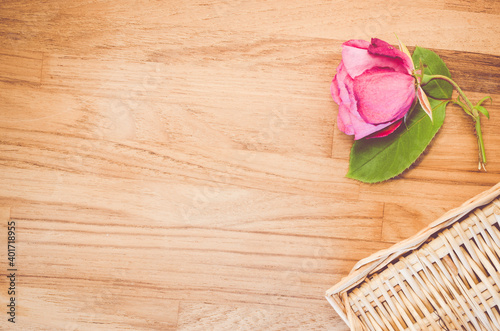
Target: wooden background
x,y
176,164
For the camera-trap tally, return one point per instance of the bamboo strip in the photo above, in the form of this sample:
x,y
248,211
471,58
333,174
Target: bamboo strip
x,y
445,277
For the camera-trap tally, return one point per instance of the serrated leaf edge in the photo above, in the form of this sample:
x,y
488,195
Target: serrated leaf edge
x,y
349,172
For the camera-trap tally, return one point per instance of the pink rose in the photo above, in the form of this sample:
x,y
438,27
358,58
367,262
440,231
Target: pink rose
x,y
373,87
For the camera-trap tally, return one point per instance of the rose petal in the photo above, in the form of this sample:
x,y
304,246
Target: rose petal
x,y
334,90
382,48
342,78
357,59
363,129
358,43
340,94
383,95
350,122
344,120
348,119
387,131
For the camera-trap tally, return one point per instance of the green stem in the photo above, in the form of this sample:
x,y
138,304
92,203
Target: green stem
x,y
470,111
480,141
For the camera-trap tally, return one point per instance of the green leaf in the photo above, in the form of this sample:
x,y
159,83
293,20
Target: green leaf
x,y
433,65
378,159
483,111
484,99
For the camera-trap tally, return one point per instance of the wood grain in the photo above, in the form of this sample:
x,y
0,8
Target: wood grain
x,y
176,165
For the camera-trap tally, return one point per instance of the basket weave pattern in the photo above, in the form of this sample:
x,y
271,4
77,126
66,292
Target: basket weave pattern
x,y
445,278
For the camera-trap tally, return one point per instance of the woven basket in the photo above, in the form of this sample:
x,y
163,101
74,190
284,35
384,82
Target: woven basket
x,y
446,277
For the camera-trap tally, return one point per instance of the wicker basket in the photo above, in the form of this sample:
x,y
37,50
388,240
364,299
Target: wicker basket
x,y
446,277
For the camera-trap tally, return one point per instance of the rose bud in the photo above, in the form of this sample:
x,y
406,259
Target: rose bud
x,y
374,88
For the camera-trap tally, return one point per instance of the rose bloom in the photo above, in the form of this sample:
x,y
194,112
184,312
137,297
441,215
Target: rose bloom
x,y
373,87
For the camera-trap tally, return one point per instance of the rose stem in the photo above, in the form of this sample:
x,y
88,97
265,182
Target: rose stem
x,y
474,112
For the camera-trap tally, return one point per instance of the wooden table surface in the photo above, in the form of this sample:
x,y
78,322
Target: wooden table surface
x,y
177,165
